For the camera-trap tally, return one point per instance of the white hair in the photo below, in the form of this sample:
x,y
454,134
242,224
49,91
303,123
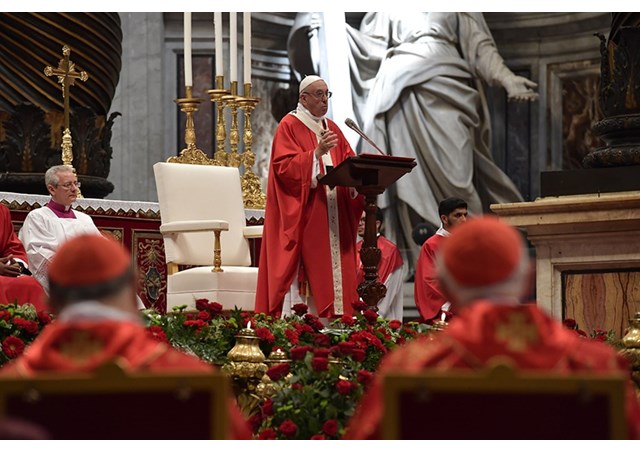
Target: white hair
x,y
51,176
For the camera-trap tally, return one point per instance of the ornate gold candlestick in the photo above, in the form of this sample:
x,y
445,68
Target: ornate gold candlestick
x,y
247,369
231,100
191,154
217,96
631,349
67,74
251,187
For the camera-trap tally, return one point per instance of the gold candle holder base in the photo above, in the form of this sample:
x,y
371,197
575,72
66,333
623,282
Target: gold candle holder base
x,y
191,154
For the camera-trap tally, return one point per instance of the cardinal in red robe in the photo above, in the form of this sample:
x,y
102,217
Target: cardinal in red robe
x,y
308,244
16,282
92,290
483,268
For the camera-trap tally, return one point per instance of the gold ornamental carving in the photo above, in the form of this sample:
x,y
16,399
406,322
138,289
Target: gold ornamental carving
x,y
252,193
247,369
631,349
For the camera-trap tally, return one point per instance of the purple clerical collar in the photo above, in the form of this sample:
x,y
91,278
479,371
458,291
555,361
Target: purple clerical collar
x,y
61,211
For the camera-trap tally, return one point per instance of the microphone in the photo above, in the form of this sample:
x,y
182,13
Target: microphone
x,y
352,124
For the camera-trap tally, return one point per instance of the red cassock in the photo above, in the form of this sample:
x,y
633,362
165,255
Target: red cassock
x,y
474,337
83,346
23,289
429,298
390,259
296,225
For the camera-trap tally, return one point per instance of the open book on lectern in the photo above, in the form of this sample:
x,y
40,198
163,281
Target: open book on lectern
x,y
374,170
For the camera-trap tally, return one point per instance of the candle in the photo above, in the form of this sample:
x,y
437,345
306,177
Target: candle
x,y
217,27
233,47
188,78
246,30
249,325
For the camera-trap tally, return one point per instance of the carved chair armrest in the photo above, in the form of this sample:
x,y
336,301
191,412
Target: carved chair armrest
x,y
253,232
191,226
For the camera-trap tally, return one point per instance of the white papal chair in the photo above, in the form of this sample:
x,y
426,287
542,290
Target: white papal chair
x,y
197,203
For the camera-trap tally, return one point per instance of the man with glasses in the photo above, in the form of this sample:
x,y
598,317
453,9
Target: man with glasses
x,y
46,228
308,244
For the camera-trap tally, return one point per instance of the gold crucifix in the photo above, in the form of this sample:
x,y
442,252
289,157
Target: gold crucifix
x,y
66,73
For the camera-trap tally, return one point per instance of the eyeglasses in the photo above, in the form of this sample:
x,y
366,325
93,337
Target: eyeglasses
x,y
70,184
320,94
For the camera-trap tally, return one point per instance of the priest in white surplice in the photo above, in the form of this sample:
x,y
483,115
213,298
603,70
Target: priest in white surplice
x,y
46,228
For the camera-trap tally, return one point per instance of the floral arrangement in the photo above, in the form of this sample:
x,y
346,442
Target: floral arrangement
x,y
605,336
329,368
19,326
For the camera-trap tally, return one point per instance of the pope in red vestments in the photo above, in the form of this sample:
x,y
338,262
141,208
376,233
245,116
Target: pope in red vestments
x,y
309,236
486,253
16,285
92,289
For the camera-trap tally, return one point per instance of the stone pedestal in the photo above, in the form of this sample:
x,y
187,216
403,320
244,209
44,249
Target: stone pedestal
x,y
587,255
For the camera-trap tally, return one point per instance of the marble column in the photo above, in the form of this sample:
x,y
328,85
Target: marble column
x,y
138,135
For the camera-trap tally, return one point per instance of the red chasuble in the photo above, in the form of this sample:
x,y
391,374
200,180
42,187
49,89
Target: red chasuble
x,y
390,259
83,346
475,336
297,226
427,293
23,289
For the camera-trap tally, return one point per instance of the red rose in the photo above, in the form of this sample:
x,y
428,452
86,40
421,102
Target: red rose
x,y
371,316
5,315
322,340
292,336
255,421
267,407
299,353
12,346
278,371
359,306
358,355
317,437
401,340
297,386
214,308
347,320
313,321
395,324
204,316
26,325
157,333
288,428
198,323
320,364
202,304
300,309
570,323
265,334
321,352
330,427
267,434
44,317
346,347
345,387
365,377
306,328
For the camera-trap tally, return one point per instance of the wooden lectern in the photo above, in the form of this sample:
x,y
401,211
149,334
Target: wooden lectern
x,y
370,175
